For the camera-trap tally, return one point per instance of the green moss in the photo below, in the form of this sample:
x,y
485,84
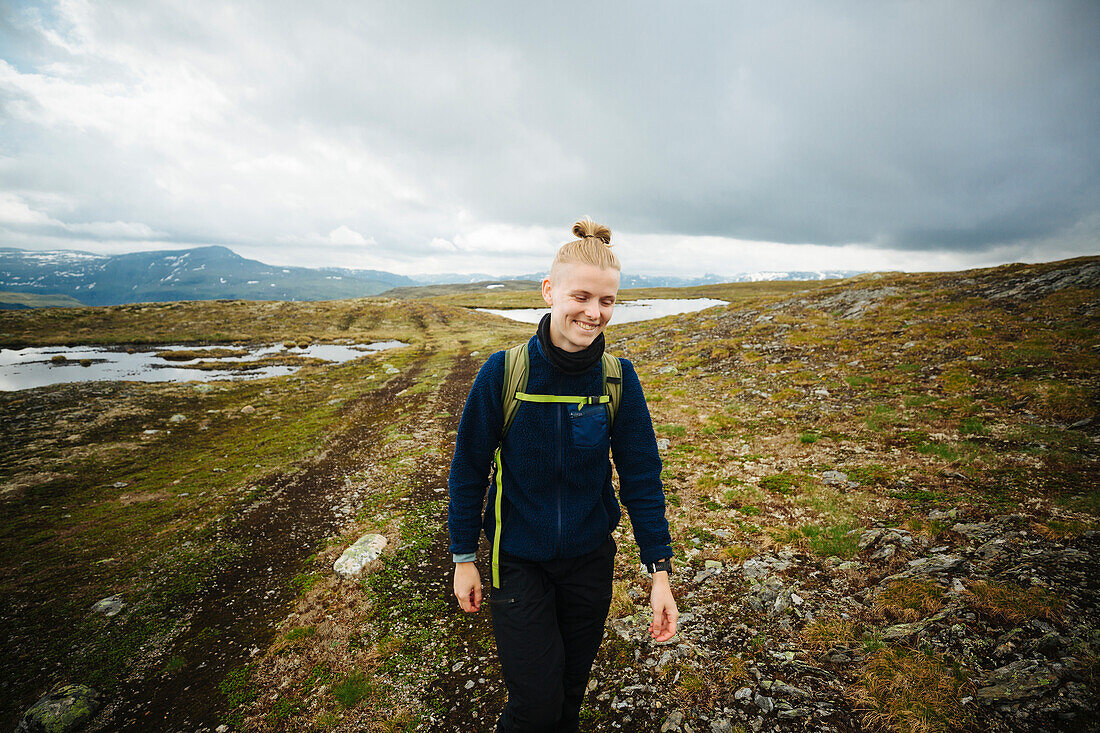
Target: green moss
x,y
872,475
783,483
285,708
240,690
302,583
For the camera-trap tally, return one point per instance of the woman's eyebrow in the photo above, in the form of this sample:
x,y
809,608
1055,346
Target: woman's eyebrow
x,y
585,292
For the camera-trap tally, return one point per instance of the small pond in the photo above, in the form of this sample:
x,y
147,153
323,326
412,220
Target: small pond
x,y
628,311
38,366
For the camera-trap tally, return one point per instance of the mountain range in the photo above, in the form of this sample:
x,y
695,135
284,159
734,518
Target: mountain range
x,y
216,272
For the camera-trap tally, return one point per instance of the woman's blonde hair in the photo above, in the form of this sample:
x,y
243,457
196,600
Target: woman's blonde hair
x,y
593,248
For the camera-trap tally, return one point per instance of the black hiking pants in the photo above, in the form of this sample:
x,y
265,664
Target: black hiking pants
x,y
548,619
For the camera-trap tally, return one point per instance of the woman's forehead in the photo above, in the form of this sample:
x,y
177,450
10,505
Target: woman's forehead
x,y
589,278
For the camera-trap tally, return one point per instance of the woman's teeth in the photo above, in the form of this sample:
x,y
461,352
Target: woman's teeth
x,y
586,326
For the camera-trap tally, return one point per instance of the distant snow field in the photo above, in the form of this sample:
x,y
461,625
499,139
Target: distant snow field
x,y
625,312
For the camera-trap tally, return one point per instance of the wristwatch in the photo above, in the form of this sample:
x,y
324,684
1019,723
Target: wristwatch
x,y
662,564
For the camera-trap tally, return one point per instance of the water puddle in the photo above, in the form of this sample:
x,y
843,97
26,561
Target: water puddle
x,y
628,311
39,366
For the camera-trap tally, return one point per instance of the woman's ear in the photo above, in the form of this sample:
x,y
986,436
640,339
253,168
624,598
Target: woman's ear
x,y
547,293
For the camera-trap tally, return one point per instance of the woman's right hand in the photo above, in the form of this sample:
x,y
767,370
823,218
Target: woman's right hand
x,y
468,586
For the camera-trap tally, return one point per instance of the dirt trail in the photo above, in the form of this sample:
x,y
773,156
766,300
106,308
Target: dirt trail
x,y
235,616
475,705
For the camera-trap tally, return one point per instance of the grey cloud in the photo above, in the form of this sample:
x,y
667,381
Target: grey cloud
x,y
899,125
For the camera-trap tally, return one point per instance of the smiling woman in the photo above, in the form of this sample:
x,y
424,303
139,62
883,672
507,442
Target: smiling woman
x,y
545,415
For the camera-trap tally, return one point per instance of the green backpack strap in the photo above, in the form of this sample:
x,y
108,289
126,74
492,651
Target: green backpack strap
x,y
516,368
612,385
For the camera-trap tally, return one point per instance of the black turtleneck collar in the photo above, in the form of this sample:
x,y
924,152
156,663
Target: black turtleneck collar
x,y
570,362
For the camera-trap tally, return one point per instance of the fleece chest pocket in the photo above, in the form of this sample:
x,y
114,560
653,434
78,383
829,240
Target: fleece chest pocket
x,y
589,426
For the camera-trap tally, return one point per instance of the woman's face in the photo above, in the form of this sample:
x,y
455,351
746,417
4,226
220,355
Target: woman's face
x,y
581,300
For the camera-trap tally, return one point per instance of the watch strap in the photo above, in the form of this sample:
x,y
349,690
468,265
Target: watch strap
x,y
662,564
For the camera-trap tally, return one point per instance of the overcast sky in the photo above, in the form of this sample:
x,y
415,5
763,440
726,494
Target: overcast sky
x,y
422,137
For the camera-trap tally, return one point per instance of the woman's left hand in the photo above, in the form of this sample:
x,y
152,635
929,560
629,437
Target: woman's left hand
x,y
665,614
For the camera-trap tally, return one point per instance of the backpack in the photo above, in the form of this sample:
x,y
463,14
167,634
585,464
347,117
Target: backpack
x,y
517,365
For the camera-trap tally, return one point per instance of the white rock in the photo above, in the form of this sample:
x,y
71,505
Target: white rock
x,y
366,548
108,606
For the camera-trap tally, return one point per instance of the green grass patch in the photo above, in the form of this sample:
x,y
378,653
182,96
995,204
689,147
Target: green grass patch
x,y
300,633
920,400
784,483
871,475
824,541
972,426
882,417
350,690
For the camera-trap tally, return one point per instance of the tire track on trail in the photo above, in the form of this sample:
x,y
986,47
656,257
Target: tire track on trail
x,y
235,616
466,690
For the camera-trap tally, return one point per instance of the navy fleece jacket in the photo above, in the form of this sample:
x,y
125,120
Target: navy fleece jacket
x,y
558,498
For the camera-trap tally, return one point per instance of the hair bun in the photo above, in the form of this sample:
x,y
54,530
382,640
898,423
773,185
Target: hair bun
x,y
586,228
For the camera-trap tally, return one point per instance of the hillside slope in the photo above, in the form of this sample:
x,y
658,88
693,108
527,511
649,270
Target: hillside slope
x,y
881,493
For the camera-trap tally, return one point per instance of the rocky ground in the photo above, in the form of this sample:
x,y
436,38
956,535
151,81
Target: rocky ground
x,y
882,497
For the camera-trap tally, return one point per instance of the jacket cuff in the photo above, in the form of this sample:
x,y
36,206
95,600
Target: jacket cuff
x,y
464,557
653,554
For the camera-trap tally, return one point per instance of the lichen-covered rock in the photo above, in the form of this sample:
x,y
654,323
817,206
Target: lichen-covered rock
x,y
672,722
977,531
62,710
935,565
366,548
1018,681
